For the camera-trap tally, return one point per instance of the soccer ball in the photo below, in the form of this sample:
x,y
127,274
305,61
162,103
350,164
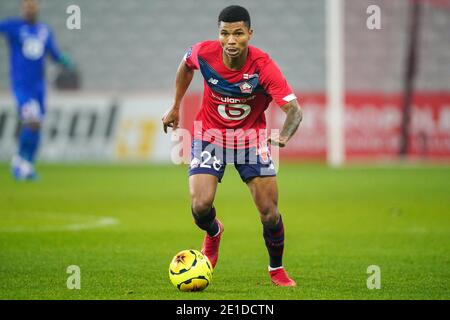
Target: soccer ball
x,y
190,270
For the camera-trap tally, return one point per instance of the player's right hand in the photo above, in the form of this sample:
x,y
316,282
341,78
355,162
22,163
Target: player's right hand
x,y
171,119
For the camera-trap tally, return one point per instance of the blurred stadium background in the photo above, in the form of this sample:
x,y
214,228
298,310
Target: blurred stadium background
x,y
122,223
127,54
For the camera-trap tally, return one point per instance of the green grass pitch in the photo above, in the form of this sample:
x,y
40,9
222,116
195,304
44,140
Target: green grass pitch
x,y
122,225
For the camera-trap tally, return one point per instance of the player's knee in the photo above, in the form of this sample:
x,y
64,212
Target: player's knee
x,y
269,214
201,205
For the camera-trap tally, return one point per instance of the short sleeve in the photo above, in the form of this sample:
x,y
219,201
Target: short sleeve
x,y
275,84
191,56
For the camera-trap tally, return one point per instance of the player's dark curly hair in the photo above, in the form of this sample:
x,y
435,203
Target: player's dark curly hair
x,y
234,14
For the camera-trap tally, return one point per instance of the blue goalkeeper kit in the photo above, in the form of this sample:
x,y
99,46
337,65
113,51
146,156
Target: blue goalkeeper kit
x,y
29,44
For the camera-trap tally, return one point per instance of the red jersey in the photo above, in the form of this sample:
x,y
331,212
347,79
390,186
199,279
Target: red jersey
x,y
234,101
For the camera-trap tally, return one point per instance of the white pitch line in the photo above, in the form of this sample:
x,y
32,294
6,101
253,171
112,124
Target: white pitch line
x,y
101,222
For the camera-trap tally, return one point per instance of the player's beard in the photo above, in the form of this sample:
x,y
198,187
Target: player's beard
x,y
31,18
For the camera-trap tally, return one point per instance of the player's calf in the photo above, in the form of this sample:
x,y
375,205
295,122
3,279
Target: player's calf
x,y
273,234
207,222
29,138
214,230
274,240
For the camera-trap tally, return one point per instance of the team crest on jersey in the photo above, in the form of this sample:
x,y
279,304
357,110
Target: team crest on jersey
x,y
246,87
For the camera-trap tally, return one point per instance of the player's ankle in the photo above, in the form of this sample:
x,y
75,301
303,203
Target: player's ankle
x,y
275,268
219,229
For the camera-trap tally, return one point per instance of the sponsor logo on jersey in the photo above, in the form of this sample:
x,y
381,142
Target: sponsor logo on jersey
x,y
232,100
234,111
246,87
33,48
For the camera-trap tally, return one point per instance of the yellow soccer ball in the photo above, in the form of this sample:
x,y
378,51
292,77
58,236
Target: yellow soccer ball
x,y
190,270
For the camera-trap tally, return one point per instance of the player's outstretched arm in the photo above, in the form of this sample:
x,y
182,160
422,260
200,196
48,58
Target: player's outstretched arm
x,y
294,116
5,26
57,55
182,81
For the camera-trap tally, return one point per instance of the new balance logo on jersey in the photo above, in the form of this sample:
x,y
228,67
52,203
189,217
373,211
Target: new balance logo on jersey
x,y
246,87
213,81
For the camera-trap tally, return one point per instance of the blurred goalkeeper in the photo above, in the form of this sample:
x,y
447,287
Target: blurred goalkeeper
x,y
240,82
29,42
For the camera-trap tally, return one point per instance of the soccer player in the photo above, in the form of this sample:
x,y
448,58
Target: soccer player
x,y
240,82
29,42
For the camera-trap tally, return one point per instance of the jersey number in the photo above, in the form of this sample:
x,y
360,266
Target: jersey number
x,y
207,156
234,111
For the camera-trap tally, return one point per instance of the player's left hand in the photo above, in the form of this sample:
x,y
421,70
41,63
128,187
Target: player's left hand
x,y
276,140
67,62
